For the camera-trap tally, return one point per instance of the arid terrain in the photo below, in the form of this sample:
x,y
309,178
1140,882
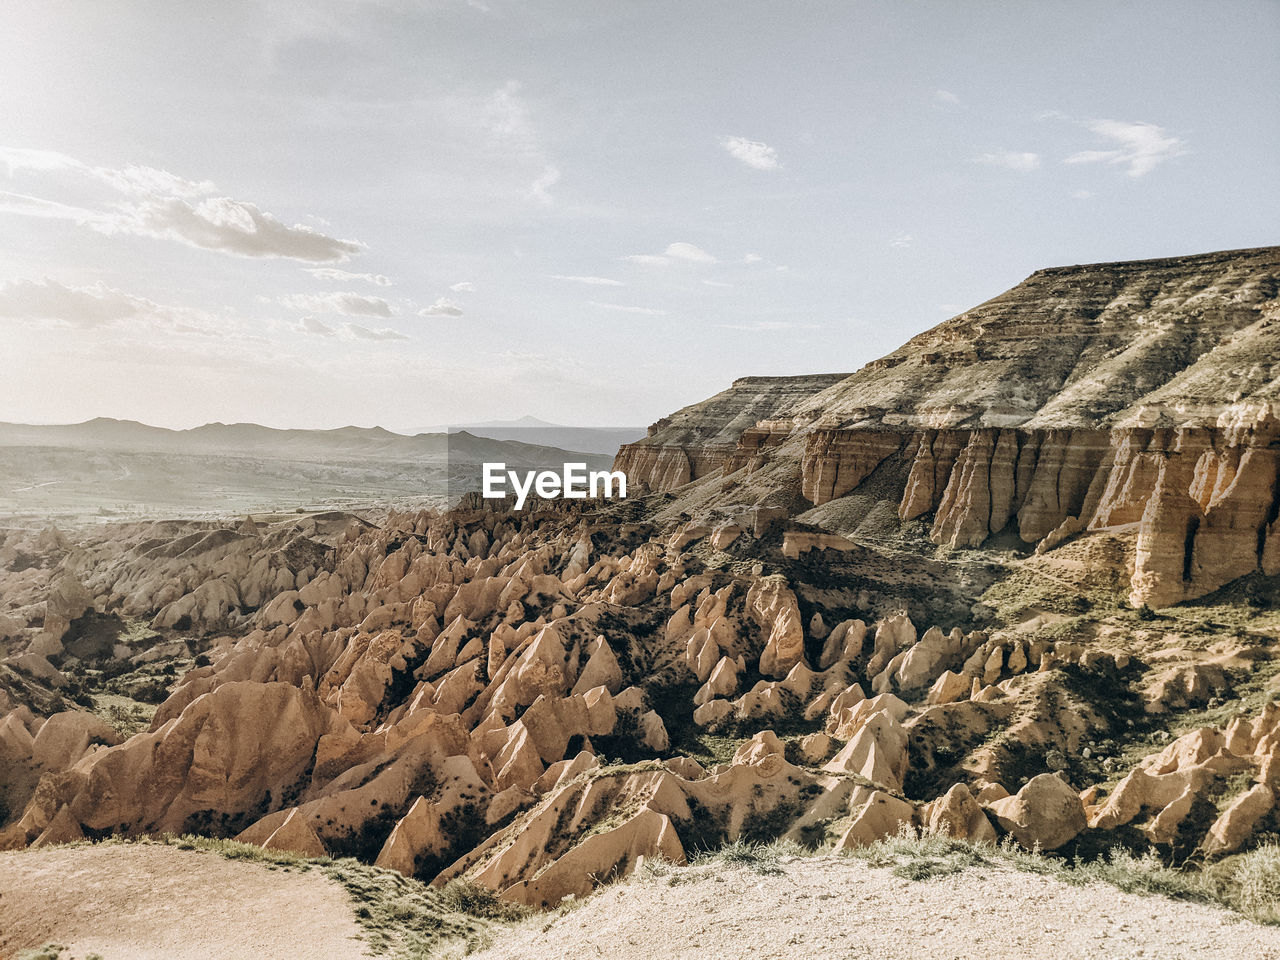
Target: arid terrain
x,y
1013,588
112,469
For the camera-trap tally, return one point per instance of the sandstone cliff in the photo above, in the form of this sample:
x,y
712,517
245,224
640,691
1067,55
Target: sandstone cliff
x,y
699,439
1085,398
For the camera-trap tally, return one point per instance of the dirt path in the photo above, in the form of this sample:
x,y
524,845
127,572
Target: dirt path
x,y
151,902
844,910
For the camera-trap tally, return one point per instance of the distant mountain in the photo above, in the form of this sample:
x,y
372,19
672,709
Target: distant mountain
x,y
602,440
125,467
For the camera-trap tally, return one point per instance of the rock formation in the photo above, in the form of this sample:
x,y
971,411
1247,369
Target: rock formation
x,y
1083,399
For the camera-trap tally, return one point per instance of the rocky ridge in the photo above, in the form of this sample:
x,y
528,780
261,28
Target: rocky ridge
x,y
1085,399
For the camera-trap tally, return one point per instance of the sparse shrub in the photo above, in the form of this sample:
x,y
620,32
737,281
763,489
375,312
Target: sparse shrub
x,y
762,858
48,951
1146,614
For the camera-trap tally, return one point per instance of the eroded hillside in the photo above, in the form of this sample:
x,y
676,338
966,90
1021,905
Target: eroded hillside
x,y
533,701
1085,399
918,597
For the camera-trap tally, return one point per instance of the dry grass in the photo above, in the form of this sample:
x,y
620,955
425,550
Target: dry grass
x,y
401,917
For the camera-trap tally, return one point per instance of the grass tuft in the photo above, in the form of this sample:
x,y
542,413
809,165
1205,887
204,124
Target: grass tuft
x,y
402,918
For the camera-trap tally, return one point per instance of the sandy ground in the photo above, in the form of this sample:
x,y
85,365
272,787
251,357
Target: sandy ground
x,y
841,909
144,902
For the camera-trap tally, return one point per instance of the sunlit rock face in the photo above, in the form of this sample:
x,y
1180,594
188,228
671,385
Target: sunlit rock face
x,y
1083,399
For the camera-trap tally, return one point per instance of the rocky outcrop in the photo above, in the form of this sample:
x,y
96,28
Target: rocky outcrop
x,y
1084,398
700,439
1046,813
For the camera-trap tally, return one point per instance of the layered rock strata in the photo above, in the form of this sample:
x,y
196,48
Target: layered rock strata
x,y
1085,398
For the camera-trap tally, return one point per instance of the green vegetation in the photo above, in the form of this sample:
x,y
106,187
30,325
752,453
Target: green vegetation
x,y
47,951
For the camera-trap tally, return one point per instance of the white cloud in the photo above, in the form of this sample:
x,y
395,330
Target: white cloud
x,y
314,326
1011,160
540,189
945,96
351,304
364,333
344,276
48,300
621,308
1081,194
466,286
902,240
1141,147
589,281
24,206
752,258
765,326
680,250
687,251
753,153
443,307
147,202
507,119
506,116
717,283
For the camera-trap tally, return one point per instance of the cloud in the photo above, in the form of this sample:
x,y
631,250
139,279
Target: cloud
x,y
508,121
589,281
314,326
717,283
766,326
147,202
1141,147
1081,194
229,226
687,251
351,304
443,307
506,117
1011,160
902,240
753,153
364,333
540,189
48,300
621,308
680,250
344,276
752,258
25,206
946,97
466,286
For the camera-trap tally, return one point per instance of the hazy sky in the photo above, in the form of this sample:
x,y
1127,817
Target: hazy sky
x,y
591,211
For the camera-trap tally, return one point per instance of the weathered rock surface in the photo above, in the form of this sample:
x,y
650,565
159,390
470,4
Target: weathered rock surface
x,y
1150,397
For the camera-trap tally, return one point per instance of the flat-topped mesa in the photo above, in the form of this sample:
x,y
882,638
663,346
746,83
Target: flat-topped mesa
x,y
1084,398
700,439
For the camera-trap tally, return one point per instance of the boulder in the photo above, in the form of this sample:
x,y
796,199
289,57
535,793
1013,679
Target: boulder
x,y
1046,813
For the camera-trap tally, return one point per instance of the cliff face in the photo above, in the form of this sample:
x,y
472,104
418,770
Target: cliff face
x,y
1085,398
702,438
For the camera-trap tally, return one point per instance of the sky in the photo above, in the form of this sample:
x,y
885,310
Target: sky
x,y
416,213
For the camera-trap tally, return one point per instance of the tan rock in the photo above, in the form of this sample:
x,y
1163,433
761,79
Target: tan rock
x,y
957,814
774,608
1230,831
1045,813
876,815
296,836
